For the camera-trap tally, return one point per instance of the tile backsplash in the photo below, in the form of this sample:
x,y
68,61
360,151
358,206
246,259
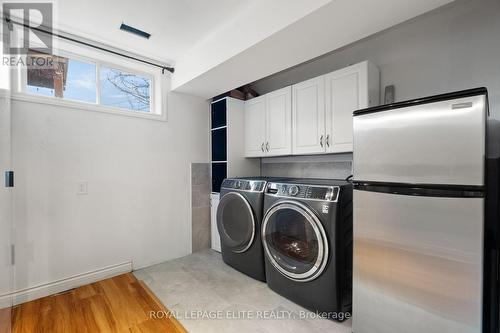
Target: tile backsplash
x,y
320,166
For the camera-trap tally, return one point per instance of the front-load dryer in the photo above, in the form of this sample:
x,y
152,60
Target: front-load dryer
x,y
307,239
239,217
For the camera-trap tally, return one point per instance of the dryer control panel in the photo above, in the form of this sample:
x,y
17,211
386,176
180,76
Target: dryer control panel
x,y
310,192
244,184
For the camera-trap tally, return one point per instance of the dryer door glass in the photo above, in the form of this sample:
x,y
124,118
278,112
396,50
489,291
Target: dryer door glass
x,y
236,222
295,241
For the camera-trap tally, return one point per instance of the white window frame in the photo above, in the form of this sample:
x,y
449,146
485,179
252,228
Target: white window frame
x,y
152,109
158,88
24,78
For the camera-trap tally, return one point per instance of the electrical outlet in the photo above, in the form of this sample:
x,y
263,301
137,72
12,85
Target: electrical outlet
x,y
82,188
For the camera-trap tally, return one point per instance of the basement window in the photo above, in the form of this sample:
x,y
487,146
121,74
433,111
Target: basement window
x,y
61,77
83,80
125,90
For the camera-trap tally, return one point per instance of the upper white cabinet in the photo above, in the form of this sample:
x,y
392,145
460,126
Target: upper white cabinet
x,y
268,123
279,122
308,110
323,106
255,126
347,90
310,117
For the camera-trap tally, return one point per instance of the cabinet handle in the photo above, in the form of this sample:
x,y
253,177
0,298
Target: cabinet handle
x,y
262,147
327,140
267,146
321,140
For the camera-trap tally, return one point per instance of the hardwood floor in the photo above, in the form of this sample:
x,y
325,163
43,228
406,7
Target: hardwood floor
x,y
119,304
4,320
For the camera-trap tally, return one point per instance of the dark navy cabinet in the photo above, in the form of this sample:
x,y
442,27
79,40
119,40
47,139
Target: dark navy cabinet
x,y
218,114
218,132
219,145
227,142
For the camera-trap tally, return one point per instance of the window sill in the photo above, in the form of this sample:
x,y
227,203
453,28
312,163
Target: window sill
x,y
83,106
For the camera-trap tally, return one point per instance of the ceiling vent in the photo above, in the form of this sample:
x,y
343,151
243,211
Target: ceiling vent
x,y
134,31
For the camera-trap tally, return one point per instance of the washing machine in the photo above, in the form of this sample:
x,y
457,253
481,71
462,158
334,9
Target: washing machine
x,y
307,240
239,217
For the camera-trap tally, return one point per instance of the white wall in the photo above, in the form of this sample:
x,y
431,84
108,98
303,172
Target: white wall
x,y
5,193
451,48
138,172
5,202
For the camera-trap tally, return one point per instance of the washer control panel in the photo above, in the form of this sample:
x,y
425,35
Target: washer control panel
x,y
244,184
293,190
311,192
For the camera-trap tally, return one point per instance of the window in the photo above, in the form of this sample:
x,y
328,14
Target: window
x,y
61,77
77,80
124,90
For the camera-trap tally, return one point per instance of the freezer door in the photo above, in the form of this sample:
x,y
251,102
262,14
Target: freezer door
x,y
417,264
437,143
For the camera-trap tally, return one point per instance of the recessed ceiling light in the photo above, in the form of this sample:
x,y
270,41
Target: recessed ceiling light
x,y
134,31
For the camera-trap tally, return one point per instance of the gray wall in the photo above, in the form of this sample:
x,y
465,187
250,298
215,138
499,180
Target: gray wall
x,y
451,48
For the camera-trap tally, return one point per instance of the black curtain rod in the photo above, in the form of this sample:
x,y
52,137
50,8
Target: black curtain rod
x,y
163,68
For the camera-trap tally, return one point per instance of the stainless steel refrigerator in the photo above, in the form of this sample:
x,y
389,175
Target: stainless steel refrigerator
x,y
419,215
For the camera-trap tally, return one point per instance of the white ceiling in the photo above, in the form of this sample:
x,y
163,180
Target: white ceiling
x,y
334,25
174,25
218,45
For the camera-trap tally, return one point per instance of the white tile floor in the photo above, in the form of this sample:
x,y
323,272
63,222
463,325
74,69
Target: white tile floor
x,y
202,282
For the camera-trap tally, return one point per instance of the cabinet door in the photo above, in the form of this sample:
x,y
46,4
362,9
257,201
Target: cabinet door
x,y
346,92
308,116
219,173
214,203
218,114
255,127
219,144
279,122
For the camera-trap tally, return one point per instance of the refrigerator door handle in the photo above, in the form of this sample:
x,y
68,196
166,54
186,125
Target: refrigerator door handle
x,y
423,190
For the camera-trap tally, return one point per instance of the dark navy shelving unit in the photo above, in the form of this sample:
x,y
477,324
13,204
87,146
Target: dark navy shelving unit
x,y
218,132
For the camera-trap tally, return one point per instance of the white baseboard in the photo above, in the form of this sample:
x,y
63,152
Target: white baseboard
x,y
5,301
4,93
58,286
